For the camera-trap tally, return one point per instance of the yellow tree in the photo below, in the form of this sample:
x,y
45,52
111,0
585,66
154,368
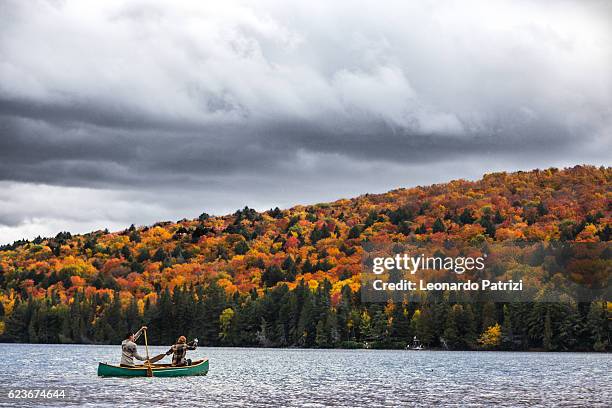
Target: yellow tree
x,y
225,319
491,337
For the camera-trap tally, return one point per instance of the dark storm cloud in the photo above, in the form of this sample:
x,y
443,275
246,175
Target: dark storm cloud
x,y
277,104
109,157
78,112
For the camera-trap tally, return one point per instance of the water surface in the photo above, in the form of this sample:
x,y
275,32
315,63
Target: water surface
x,y
317,378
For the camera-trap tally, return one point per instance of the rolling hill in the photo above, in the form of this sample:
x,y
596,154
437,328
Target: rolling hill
x,y
288,277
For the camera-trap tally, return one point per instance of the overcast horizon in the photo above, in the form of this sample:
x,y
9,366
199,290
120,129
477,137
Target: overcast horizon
x,y
117,113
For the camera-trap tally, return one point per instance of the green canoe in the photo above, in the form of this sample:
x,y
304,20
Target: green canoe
x,y
199,367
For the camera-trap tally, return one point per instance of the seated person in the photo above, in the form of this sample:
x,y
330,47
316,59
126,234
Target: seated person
x,y
128,349
179,351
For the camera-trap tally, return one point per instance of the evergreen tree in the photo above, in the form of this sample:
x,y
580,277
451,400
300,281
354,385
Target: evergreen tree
x,y
598,326
489,317
241,248
401,329
132,317
271,276
438,226
354,232
16,325
422,229
422,323
160,255
213,304
466,217
452,333
548,333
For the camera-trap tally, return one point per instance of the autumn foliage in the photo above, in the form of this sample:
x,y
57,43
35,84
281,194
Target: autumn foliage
x,y
248,252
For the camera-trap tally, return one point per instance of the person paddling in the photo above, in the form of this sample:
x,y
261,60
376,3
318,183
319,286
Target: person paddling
x,y
128,349
179,351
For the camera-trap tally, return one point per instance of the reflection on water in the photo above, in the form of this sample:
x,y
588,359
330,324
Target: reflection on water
x,y
317,378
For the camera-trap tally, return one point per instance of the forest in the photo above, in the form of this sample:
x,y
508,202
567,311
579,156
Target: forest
x,y
293,277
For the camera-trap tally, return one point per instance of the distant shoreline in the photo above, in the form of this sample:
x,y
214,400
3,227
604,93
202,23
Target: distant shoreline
x,y
327,348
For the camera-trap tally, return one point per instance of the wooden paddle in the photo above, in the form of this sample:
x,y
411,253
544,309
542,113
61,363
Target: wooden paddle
x,y
149,369
157,358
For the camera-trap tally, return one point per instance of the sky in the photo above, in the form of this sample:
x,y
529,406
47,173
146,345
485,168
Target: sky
x,y
116,112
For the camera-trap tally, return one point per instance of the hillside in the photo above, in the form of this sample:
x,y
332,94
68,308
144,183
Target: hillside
x,y
97,285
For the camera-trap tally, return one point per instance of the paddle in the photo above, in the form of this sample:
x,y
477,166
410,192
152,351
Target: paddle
x,y
157,358
149,369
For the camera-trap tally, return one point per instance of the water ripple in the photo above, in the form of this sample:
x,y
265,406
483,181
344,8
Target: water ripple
x,y
318,378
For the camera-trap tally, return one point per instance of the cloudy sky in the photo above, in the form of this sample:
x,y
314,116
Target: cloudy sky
x,y
118,112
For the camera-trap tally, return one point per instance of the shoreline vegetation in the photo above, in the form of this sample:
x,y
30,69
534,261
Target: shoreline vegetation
x,y
270,321
359,347
292,278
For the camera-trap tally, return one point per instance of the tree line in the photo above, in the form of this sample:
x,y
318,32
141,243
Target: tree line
x,y
307,317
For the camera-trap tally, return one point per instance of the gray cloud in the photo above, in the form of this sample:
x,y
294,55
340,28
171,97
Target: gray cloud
x,y
200,106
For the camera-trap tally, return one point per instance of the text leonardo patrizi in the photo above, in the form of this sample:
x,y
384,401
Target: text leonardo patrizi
x,y
457,265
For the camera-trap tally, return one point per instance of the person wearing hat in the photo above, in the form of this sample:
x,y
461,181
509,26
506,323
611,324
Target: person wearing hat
x,y
179,351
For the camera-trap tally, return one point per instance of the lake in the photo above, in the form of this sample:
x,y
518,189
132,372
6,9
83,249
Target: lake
x,y
316,378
